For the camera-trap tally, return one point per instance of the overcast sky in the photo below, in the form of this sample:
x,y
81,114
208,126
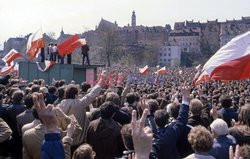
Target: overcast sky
x,y
20,17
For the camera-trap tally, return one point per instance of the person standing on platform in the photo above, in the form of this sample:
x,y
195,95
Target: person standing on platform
x,y
42,54
60,59
54,52
85,50
49,52
69,58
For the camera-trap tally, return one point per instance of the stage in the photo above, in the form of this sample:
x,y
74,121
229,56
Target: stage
x,y
68,72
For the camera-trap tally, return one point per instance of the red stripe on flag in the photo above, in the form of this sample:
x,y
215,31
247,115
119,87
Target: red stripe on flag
x,y
7,69
238,69
11,56
69,45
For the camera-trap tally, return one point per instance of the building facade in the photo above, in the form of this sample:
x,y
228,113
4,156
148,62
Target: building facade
x,y
188,40
232,28
169,55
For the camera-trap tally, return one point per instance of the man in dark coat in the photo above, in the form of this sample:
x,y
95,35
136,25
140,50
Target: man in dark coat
x,y
12,112
104,134
165,139
85,50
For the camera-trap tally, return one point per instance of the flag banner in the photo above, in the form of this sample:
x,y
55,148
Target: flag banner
x,y
34,45
7,69
16,69
198,67
69,45
11,56
48,65
144,70
231,62
161,71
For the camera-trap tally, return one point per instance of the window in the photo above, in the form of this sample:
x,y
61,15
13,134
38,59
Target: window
x,y
165,60
169,54
160,54
169,49
165,54
169,60
160,59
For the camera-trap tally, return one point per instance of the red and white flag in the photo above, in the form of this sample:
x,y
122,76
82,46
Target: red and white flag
x,y
231,62
7,69
34,45
48,65
69,45
161,71
11,56
144,70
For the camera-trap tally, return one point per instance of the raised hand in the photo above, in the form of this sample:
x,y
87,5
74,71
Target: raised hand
x,y
142,136
185,91
46,114
235,155
143,104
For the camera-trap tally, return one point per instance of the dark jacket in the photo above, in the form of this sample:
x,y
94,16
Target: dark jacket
x,y
3,112
220,149
12,112
183,146
196,120
50,99
241,133
85,49
202,119
227,115
105,138
122,117
164,141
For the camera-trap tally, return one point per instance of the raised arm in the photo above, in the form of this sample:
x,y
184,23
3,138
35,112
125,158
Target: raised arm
x,y
183,112
95,92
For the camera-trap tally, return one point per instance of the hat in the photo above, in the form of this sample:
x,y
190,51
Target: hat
x,y
220,127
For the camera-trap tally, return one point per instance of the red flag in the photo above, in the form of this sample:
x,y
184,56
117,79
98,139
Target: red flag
x,y
7,69
11,56
161,71
144,70
35,43
69,45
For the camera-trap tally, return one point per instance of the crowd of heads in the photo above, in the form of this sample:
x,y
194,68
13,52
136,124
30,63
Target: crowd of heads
x,y
216,108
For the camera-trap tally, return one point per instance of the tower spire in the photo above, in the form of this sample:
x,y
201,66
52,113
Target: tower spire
x,y
133,19
62,32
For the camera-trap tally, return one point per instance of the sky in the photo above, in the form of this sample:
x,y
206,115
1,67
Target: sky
x,y
21,17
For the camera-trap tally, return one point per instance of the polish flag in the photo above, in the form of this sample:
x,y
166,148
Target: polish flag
x,y
48,65
11,56
34,45
7,69
69,45
144,70
198,67
161,71
231,62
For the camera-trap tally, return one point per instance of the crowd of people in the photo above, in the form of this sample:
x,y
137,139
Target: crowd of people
x,y
131,118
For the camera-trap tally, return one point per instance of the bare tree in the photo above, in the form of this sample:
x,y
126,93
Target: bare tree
x,y
111,45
